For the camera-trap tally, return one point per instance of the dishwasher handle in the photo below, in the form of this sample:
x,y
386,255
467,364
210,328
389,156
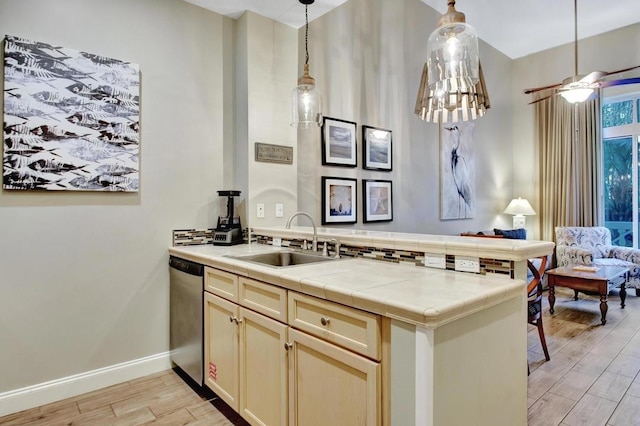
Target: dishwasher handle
x,y
186,266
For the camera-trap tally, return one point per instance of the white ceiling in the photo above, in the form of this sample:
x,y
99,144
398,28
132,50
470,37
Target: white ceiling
x,y
514,27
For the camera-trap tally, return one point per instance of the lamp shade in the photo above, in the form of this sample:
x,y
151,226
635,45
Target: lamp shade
x,y
519,206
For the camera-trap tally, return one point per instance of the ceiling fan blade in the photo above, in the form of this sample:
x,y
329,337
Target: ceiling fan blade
x,y
633,80
593,77
538,89
619,71
542,99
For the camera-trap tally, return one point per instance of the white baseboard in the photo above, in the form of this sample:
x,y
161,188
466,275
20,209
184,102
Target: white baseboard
x,y
66,387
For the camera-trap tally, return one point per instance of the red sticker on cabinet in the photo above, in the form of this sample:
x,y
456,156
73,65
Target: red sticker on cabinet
x,y
213,371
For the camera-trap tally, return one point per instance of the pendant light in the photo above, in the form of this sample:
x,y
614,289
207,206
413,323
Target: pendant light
x,y
452,52
306,101
452,87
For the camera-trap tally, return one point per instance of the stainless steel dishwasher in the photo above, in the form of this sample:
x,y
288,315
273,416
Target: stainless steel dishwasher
x,y
186,315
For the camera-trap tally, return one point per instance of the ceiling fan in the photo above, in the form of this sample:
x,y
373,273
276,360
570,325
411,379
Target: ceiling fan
x,y
579,88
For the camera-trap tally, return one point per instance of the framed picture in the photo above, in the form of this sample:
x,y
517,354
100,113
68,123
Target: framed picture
x,y
338,200
377,204
338,142
376,154
457,171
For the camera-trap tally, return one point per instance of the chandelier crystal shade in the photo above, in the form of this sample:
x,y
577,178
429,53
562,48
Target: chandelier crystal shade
x,y
306,101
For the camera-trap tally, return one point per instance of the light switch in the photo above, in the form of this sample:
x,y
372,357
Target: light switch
x,y
279,210
260,210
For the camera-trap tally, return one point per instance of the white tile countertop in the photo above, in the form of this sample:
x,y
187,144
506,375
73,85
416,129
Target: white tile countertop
x,y
413,294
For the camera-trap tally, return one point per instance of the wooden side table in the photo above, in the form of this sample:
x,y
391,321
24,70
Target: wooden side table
x,y
598,282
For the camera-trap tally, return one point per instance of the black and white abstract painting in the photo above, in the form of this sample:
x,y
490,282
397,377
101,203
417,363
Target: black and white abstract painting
x,y
71,119
457,171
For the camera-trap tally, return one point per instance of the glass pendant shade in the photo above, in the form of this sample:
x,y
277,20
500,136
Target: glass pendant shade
x,y
453,57
306,103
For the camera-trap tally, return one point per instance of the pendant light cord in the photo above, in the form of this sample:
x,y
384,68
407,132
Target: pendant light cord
x,y
306,35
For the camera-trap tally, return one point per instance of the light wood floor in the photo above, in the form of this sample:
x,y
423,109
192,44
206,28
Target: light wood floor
x,y
592,379
159,399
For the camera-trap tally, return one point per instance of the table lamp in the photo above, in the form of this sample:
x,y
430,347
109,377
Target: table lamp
x,y
519,208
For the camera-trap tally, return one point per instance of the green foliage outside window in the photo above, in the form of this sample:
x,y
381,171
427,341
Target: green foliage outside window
x,y
617,114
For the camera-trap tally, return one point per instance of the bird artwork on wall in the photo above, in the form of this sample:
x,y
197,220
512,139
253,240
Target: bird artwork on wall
x,y
457,171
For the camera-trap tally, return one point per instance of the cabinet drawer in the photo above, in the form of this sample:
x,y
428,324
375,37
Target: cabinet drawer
x,y
350,328
221,283
264,298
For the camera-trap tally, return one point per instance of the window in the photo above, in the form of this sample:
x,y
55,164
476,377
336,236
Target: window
x,y
620,165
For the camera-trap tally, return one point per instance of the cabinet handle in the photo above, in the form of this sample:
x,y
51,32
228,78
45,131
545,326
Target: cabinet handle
x,y
324,320
238,321
287,346
231,318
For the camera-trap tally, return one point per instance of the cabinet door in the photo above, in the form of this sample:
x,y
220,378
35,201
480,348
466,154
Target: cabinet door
x,y
221,339
263,370
331,386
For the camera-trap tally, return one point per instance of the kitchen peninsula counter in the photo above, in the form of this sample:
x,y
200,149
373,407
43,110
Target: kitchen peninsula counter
x,y
456,346
418,295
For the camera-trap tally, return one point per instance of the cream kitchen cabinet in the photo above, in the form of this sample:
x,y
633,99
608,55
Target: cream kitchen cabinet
x,y
245,356
329,384
279,357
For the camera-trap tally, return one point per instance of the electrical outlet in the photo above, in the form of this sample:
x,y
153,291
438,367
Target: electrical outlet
x,y
467,264
260,210
276,242
279,210
435,261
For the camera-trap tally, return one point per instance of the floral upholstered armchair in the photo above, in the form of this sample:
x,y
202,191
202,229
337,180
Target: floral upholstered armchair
x,y
592,246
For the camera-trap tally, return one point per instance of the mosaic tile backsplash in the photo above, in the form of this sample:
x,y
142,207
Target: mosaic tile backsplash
x,y
189,237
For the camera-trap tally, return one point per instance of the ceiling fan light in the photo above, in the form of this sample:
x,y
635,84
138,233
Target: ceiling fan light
x,y
576,95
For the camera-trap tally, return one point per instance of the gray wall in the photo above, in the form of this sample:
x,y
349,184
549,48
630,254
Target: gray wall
x,y
84,276
367,56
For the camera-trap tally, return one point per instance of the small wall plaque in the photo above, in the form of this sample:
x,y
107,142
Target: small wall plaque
x,y
274,153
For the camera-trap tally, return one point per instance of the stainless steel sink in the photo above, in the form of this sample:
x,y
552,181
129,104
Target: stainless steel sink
x,y
284,258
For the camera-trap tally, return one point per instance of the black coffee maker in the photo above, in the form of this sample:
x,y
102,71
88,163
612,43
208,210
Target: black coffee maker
x,y
229,231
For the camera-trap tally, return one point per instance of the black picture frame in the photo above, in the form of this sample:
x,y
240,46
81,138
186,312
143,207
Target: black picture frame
x,y
339,196
377,149
339,143
377,200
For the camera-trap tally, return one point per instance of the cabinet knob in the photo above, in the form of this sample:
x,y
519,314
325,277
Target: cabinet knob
x,y
234,318
324,320
287,346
